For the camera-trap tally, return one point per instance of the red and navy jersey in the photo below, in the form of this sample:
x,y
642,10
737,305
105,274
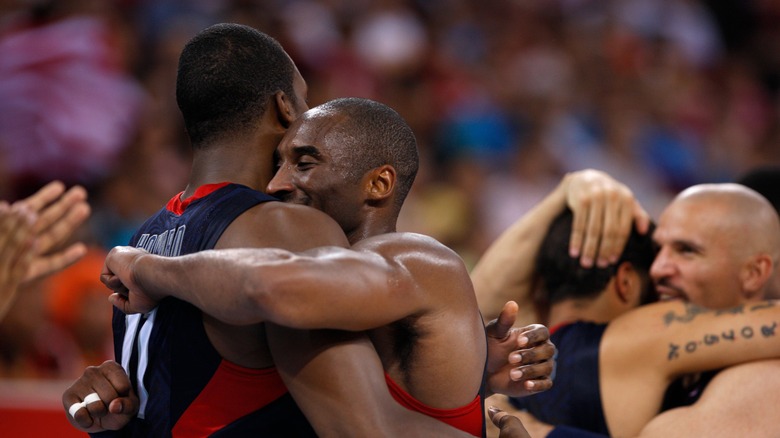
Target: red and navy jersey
x,y
469,418
185,387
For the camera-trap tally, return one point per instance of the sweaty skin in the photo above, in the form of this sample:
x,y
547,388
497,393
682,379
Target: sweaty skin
x,y
413,294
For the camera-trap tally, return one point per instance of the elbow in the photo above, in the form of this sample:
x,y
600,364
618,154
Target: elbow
x,y
264,302
250,303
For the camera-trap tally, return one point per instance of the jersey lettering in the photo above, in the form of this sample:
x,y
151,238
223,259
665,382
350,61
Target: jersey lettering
x,y
166,244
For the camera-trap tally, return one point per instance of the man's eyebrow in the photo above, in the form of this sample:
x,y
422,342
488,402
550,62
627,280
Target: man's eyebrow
x,y
307,150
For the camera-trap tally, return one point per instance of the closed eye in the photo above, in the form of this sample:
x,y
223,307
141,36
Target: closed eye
x,y
305,165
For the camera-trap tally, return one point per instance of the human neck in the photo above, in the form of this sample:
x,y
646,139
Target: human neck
x,y
249,163
371,225
573,310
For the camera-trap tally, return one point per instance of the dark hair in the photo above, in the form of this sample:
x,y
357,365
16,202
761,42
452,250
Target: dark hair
x,y
374,135
766,181
563,277
227,73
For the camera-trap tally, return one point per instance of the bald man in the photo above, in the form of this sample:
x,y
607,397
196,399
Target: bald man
x,y
718,248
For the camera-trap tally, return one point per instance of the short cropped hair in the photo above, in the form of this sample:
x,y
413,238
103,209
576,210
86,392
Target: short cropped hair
x,y
562,276
227,74
374,135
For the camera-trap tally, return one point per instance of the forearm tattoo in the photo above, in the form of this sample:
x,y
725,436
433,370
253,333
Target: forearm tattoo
x,y
744,333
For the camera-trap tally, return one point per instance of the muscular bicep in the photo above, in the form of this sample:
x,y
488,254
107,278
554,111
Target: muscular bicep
x,y
379,281
336,288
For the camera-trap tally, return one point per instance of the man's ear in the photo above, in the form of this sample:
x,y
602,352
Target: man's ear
x,y
381,183
285,110
756,275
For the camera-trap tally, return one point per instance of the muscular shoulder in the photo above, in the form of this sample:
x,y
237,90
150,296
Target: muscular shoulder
x,y
637,342
411,246
280,225
427,261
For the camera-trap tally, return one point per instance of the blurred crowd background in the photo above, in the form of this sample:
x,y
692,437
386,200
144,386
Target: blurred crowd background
x,y
505,96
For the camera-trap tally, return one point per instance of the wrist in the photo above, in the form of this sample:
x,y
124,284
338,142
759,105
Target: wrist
x,y
139,272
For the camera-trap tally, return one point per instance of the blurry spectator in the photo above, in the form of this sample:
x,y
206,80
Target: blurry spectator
x,y
81,321
66,107
59,326
503,97
33,235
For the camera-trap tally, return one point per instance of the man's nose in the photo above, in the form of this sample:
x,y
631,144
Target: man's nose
x,y
662,265
280,184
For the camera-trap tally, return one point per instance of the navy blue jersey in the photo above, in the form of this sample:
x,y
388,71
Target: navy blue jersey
x,y
575,398
184,386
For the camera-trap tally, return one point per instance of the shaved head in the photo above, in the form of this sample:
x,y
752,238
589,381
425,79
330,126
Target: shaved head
x,y
741,214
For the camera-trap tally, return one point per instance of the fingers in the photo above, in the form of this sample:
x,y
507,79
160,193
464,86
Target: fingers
x,y
537,353
46,265
536,376
59,220
534,365
121,302
59,214
593,232
44,196
499,328
113,282
532,335
604,211
641,218
89,398
509,425
496,415
579,224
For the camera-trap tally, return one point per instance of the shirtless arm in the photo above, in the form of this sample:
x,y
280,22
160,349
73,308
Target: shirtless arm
x,y
380,280
650,346
603,213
